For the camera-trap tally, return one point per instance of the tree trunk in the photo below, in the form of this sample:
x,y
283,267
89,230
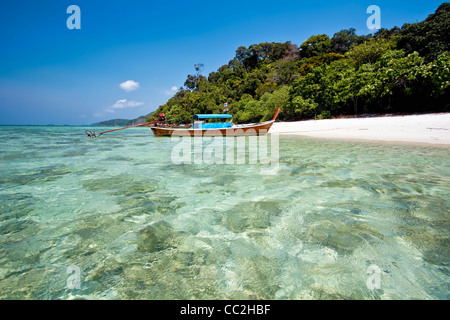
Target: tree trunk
x,y
355,105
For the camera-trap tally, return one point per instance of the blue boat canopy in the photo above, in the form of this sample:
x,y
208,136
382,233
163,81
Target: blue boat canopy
x,y
212,116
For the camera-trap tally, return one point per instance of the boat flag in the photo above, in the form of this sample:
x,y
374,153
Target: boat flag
x,y
225,105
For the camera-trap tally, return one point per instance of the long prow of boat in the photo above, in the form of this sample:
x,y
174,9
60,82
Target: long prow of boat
x,y
203,124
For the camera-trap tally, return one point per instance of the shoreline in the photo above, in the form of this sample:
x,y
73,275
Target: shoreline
x,y
423,129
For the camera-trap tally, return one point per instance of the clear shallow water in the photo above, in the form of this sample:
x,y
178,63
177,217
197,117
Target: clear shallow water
x,y
139,226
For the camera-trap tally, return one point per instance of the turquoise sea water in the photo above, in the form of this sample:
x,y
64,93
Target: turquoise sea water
x,y
138,226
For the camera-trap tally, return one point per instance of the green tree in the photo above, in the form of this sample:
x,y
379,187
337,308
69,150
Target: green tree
x,y
343,40
306,94
438,71
315,46
430,37
271,101
341,87
371,50
192,81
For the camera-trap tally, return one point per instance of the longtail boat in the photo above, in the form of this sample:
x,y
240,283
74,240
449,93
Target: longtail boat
x,y
201,127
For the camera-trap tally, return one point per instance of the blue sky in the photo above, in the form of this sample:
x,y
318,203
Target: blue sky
x,y
52,75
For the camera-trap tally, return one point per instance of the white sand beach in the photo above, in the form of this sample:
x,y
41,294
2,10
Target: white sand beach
x,y
414,129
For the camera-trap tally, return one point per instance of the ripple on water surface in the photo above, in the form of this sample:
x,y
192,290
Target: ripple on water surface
x,y
139,226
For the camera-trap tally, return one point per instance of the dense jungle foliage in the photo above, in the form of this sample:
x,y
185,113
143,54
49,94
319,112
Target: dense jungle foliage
x,y
401,70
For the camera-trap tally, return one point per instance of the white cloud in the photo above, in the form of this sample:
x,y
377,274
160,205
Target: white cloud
x,y
119,104
124,103
129,85
171,91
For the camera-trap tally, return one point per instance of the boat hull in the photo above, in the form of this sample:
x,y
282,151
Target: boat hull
x,y
243,130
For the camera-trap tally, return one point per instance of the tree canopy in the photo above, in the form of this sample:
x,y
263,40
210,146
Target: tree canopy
x,y
403,69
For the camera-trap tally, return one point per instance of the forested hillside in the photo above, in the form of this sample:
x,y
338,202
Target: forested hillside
x,y
398,70
120,122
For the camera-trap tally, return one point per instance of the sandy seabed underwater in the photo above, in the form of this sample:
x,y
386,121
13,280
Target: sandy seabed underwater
x,y
116,218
